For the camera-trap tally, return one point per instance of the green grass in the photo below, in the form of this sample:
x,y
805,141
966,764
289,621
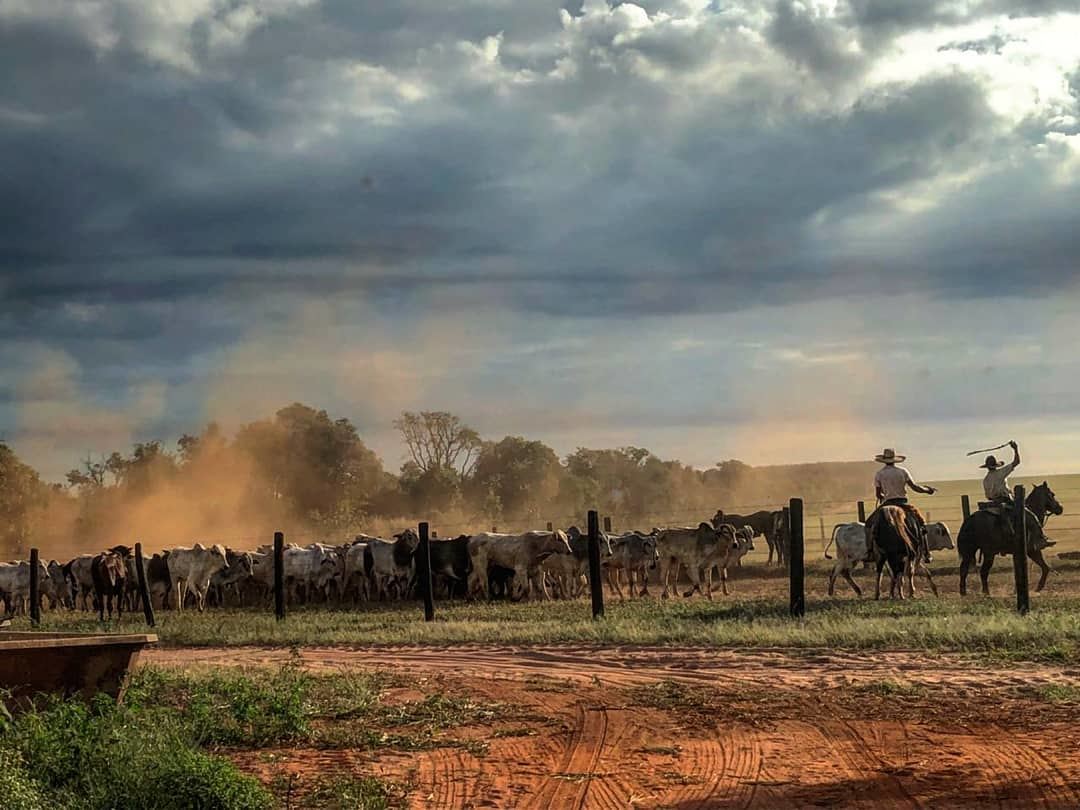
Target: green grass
x,y
1059,693
163,746
987,626
73,755
355,793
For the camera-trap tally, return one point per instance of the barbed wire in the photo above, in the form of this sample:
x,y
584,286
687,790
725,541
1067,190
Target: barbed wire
x,y
814,511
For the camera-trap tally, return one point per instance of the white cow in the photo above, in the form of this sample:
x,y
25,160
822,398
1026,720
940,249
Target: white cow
x,y
56,587
190,570
634,553
569,572
699,550
81,579
392,566
522,553
15,584
357,577
851,549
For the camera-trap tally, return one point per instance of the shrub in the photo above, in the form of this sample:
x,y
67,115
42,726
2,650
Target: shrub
x,y
106,756
17,790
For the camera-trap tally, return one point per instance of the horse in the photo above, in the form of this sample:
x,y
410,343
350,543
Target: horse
x,y
896,545
1042,503
983,533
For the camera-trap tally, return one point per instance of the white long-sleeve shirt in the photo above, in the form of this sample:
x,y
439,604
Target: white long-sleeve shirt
x,y
996,482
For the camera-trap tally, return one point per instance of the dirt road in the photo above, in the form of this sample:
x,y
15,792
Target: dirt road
x,y
765,729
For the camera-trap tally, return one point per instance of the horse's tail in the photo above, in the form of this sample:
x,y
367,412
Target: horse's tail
x,y
896,520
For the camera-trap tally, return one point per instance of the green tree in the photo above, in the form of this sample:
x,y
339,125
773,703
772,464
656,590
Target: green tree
x,y
21,494
320,466
520,475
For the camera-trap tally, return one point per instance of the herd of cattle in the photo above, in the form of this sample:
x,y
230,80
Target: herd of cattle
x,y
535,564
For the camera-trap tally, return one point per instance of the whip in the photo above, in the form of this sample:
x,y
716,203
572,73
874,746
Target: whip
x,y
988,449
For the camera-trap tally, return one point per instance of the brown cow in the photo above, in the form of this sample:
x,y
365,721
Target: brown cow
x,y
109,574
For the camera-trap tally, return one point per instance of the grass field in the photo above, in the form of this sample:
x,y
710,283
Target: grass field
x,y
754,615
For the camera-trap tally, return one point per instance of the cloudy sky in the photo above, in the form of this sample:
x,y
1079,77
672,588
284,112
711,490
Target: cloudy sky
x,y
778,231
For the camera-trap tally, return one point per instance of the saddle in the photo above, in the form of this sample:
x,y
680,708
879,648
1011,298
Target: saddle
x,y
994,507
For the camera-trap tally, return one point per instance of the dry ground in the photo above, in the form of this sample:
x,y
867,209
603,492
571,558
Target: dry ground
x,y
699,728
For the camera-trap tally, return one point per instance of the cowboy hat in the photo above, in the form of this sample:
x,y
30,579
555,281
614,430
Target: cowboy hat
x,y
991,463
888,456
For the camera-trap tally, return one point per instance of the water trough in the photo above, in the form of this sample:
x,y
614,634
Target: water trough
x,y
67,664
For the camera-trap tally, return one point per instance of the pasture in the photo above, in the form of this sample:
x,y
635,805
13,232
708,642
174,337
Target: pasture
x,y
681,703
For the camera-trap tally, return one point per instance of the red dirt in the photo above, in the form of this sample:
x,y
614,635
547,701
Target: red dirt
x,y
774,729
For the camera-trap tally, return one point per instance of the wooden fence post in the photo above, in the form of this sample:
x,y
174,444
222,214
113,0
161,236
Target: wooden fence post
x,y
783,540
279,575
1020,560
796,563
35,588
821,522
423,571
596,587
862,512
607,524
965,506
144,594
550,526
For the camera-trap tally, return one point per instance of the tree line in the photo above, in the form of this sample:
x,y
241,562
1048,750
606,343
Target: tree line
x,y
304,471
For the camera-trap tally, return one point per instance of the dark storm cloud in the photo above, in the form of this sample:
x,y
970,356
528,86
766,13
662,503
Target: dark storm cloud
x,y
130,179
169,181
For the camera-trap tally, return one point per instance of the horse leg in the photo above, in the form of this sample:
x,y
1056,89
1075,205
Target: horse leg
x,y
896,586
1036,556
984,572
965,564
877,581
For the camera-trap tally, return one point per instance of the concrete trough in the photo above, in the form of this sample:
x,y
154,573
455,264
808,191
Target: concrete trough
x,y
67,664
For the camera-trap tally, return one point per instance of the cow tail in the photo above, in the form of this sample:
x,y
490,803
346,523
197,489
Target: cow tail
x,y
831,541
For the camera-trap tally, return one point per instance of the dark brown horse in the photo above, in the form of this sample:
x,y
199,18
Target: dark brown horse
x,y
1042,503
986,534
898,545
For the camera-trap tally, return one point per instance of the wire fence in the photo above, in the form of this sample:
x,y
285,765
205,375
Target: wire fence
x,y
820,518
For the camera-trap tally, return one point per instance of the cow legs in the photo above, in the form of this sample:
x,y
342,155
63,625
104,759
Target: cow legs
x,y
929,578
665,572
984,572
613,582
846,574
644,574
694,574
180,593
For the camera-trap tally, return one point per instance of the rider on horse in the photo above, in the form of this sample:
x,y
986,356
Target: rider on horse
x,y
996,480
891,484
999,496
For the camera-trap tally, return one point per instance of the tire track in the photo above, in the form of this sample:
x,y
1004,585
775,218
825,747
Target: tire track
x,y
859,765
1035,770
569,785
864,750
